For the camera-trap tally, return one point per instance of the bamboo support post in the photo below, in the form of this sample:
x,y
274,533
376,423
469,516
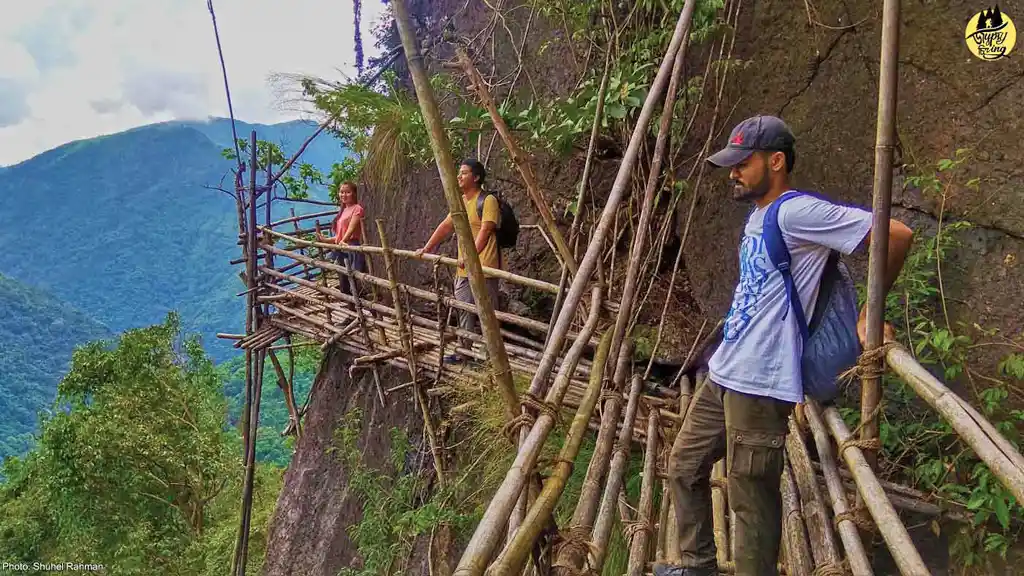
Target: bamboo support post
x,y
512,559
720,513
819,528
590,493
478,551
642,530
798,553
405,337
907,558
595,248
856,555
994,450
614,483
501,371
252,387
519,158
885,138
289,394
636,250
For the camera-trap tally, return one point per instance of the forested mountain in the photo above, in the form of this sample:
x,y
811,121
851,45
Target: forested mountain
x,y
123,228
112,233
38,333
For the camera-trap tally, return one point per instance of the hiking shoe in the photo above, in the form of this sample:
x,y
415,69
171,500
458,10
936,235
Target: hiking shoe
x,y
454,359
663,569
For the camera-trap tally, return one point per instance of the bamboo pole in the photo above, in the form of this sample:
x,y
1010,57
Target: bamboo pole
x,y
501,371
519,157
720,513
622,178
406,340
582,368
888,522
639,547
615,482
852,544
590,492
289,396
819,529
997,454
252,325
798,553
485,538
885,138
413,291
411,255
510,562
636,250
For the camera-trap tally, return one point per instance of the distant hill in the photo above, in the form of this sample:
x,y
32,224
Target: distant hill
x,y
122,228
37,335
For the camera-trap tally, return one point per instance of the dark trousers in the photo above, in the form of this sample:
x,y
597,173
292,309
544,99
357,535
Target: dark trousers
x,y
750,432
354,260
463,293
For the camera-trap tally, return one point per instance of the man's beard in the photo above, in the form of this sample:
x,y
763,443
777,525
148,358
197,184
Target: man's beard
x,y
741,192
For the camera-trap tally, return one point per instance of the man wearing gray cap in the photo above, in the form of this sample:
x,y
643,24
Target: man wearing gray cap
x,y
741,410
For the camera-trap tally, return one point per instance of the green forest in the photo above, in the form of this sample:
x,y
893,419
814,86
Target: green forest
x,y
136,467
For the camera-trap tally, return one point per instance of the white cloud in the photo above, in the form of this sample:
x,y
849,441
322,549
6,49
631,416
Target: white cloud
x,y
72,69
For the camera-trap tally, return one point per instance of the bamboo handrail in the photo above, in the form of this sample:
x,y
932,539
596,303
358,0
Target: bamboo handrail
x,y
410,254
995,450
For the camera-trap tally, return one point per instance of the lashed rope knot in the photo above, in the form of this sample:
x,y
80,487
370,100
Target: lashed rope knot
x,y
870,364
576,545
858,516
722,483
829,570
631,528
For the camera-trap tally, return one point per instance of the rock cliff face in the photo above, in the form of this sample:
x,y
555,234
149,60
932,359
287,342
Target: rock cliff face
x,y
309,531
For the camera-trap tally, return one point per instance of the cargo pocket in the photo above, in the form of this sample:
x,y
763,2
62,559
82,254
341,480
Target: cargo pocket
x,y
756,454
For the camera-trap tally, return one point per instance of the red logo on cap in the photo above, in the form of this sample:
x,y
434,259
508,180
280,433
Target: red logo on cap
x,y
738,140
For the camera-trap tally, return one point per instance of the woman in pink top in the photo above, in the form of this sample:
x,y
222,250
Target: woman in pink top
x,y
348,231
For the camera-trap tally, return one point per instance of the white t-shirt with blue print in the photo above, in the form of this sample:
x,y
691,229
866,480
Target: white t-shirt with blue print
x,y
760,351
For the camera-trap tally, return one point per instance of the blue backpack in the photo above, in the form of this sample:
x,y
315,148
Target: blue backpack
x,y
831,345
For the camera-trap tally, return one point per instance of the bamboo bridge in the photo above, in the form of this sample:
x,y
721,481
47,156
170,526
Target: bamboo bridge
x,y
580,359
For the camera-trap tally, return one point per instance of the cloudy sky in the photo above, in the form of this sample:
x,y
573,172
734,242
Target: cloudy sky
x,y
72,69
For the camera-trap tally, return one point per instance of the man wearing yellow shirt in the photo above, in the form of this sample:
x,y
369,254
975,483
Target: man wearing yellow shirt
x,y
483,224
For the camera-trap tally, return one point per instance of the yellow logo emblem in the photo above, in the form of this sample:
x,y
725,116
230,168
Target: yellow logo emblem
x,y
990,34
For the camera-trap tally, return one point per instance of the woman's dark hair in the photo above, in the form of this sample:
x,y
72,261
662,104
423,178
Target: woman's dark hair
x,y
478,170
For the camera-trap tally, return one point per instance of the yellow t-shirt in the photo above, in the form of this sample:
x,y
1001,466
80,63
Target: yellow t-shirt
x,y
489,255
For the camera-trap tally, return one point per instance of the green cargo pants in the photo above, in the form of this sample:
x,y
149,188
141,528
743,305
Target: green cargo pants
x,y
750,432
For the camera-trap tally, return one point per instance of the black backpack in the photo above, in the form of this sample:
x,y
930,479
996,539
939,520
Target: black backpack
x,y
508,231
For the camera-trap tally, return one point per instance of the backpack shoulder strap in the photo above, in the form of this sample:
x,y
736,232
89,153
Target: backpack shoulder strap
x,y
480,205
775,245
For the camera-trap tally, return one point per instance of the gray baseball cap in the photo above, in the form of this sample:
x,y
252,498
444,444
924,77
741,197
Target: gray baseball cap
x,y
766,133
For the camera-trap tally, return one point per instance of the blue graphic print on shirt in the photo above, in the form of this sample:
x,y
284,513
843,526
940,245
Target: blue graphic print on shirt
x,y
754,271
